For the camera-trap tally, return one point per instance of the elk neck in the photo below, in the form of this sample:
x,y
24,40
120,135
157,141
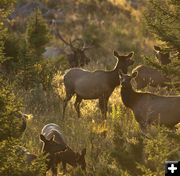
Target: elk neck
x,y
129,96
113,79
114,74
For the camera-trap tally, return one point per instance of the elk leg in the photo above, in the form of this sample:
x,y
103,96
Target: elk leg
x,y
54,170
143,127
64,167
103,106
68,97
77,105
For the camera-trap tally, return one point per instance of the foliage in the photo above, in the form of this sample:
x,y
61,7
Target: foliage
x,y
162,19
10,121
115,146
13,163
6,7
37,33
10,128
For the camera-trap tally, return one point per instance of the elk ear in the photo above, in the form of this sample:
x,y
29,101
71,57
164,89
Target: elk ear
x,y
134,74
157,48
116,53
42,138
83,152
130,54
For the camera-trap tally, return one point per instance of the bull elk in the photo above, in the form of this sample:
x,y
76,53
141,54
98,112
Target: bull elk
x,y
77,58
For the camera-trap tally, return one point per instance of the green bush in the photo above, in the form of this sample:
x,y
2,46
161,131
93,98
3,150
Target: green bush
x,y
14,164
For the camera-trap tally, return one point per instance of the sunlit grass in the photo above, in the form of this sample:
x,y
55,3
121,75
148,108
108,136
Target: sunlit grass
x,y
93,133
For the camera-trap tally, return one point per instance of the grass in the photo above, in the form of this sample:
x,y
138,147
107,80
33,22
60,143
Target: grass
x,y
114,147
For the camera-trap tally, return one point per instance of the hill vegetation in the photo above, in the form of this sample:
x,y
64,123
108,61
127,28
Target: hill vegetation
x,y
33,84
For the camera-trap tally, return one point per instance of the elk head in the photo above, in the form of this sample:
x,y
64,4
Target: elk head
x,y
163,57
51,146
77,57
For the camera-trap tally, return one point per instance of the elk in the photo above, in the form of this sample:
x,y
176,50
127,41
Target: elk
x,y
163,57
77,57
57,150
149,108
98,84
72,158
153,77
149,76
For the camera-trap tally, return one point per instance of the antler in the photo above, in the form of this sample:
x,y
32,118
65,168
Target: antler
x,y
85,47
70,43
56,31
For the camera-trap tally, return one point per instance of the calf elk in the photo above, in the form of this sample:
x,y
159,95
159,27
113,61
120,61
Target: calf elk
x,y
149,108
57,150
72,158
94,85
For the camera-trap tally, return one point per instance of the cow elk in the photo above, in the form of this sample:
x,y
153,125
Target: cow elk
x,y
98,84
151,76
162,56
149,108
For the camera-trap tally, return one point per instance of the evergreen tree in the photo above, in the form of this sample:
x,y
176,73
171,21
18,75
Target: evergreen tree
x,y
12,162
5,6
163,20
37,33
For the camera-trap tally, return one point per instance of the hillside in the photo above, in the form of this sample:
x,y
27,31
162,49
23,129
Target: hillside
x,y
40,41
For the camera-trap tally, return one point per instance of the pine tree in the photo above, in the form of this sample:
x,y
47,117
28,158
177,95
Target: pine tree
x,y
37,33
12,162
163,20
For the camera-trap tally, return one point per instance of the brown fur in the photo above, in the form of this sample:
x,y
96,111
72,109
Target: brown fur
x,y
72,158
94,85
149,76
163,57
57,150
77,57
149,108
